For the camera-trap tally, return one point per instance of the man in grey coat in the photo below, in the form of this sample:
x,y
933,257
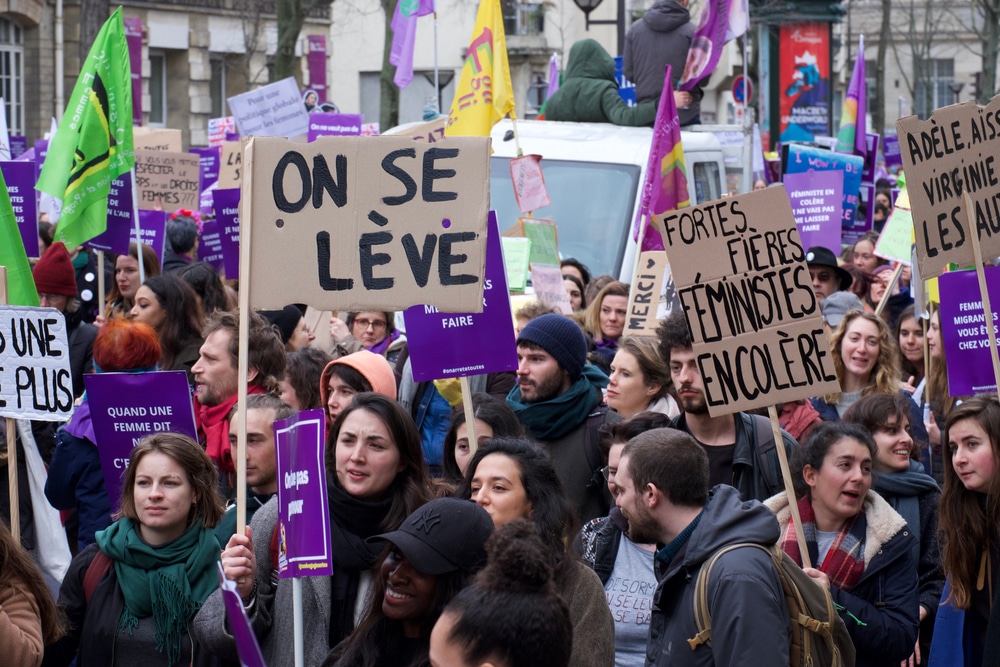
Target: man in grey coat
x,y
662,37
662,482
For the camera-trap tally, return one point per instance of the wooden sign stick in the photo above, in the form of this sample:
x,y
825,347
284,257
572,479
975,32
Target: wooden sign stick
x,y
888,290
786,474
977,251
15,515
470,415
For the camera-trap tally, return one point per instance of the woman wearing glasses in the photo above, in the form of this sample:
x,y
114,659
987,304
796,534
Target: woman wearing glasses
x,y
372,330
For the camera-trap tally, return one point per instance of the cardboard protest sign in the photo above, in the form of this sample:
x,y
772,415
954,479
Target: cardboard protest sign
x,y
952,152
35,379
439,342
167,177
430,131
126,407
334,125
153,231
963,330
645,295
370,224
895,243
210,247
544,240
218,128
817,198
304,548
529,183
118,234
239,623
798,158
516,252
549,288
20,180
157,139
741,275
231,166
274,110
227,215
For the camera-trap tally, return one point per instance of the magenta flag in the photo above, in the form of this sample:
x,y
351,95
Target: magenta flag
x,y
553,75
404,33
852,137
721,21
666,186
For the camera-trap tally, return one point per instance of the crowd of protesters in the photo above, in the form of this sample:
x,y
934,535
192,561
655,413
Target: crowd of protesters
x,y
597,469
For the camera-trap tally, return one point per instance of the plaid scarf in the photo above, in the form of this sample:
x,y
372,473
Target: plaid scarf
x,y
844,563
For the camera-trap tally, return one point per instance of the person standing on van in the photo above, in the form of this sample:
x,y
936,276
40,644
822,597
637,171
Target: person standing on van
x,y
662,37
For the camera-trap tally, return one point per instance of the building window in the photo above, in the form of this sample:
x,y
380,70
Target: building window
x,y
157,88
934,89
523,18
12,74
218,85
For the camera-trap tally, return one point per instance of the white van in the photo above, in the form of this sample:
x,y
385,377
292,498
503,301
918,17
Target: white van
x,y
594,173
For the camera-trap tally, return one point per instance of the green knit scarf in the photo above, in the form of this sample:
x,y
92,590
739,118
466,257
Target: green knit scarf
x,y
169,582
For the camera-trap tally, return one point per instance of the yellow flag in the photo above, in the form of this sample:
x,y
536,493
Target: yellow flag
x,y
484,94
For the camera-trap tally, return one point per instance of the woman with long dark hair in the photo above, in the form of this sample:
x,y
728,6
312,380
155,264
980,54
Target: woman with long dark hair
x,y
493,420
170,306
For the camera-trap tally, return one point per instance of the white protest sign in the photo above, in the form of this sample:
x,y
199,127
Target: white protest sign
x,y
365,223
35,379
275,110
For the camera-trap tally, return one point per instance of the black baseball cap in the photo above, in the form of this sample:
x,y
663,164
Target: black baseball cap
x,y
820,256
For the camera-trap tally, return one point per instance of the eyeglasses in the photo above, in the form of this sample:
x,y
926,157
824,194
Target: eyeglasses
x,y
376,325
608,473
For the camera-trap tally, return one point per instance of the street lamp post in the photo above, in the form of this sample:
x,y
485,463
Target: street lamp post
x,y
587,6
956,87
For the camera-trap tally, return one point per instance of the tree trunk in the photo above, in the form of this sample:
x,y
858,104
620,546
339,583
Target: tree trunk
x,y
93,14
291,17
991,35
389,109
885,34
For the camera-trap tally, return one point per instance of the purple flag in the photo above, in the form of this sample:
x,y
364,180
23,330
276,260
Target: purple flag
x,y
404,34
304,545
666,186
119,232
227,215
853,122
133,38
126,407
553,75
966,342
20,179
721,21
210,246
317,65
246,641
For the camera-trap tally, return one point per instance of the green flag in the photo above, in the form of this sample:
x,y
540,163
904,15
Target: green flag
x,y
93,145
20,285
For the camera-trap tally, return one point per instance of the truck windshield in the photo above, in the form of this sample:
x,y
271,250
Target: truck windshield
x,y
592,205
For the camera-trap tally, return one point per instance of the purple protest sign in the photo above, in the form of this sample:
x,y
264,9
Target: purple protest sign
x,y
890,149
20,179
153,230
440,342
304,547
210,245
209,160
41,150
246,641
18,146
871,158
118,234
334,124
850,237
817,198
227,215
126,407
317,65
966,341
133,38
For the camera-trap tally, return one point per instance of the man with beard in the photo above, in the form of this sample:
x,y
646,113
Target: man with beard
x,y
740,446
663,493
559,401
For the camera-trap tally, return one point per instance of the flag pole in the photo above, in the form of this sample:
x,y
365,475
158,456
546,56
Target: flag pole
x,y
100,283
15,514
437,81
135,224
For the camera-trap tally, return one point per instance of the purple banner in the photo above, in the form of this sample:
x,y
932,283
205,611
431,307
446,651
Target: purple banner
x,y
210,246
133,37
126,407
209,160
246,641
119,232
18,145
334,124
304,546
817,197
317,65
153,230
439,342
227,215
890,149
963,330
20,179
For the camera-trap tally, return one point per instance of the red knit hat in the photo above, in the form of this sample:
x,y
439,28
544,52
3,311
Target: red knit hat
x,y
54,272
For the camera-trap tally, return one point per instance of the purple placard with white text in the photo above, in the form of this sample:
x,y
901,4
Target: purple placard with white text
x,y
210,245
227,216
850,237
334,125
118,234
126,407
963,330
890,149
440,342
153,230
246,641
304,544
20,179
209,160
871,159
316,45
817,198
18,146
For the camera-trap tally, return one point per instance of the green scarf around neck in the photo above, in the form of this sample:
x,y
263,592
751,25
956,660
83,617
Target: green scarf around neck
x,y
554,418
169,582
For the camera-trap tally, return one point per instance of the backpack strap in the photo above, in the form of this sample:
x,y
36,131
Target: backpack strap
x,y
702,614
274,546
592,448
765,445
96,570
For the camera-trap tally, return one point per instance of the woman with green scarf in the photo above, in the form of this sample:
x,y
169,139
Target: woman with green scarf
x,y
130,596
